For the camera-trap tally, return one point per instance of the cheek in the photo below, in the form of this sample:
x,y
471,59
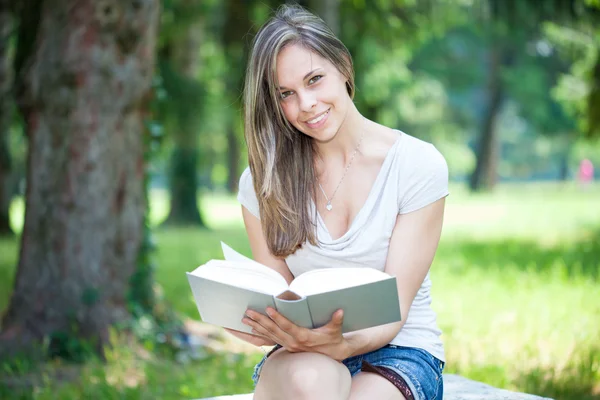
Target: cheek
x,y
289,111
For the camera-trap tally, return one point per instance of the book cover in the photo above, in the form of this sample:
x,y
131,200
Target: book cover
x,y
223,302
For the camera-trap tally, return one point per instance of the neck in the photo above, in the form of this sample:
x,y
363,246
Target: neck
x,y
339,150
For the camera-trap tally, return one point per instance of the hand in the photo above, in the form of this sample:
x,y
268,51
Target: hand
x,y
327,339
252,339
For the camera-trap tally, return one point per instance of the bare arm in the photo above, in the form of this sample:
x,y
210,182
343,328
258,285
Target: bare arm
x,y
260,250
261,254
412,248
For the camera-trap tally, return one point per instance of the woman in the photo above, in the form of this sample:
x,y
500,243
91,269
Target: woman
x,y
326,187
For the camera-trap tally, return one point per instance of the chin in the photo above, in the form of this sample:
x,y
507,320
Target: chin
x,y
325,134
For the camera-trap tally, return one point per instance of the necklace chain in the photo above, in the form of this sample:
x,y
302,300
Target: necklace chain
x,y
329,207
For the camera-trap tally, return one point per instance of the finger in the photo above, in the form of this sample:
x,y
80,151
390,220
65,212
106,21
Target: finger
x,y
270,324
338,318
285,332
282,322
261,319
266,334
263,325
336,321
297,336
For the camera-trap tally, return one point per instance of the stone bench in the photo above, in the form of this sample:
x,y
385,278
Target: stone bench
x,y
455,388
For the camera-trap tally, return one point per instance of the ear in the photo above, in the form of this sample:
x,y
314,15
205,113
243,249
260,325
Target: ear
x,y
350,89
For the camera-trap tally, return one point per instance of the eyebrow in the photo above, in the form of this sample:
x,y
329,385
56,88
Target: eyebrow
x,y
305,76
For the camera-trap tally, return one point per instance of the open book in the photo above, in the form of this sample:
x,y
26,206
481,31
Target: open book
x,y
225,289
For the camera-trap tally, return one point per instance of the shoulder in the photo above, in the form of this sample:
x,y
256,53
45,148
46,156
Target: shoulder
x,y
246,179
421,172
418,156
246,195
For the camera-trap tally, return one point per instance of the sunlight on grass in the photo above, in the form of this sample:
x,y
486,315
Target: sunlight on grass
x,y
219,210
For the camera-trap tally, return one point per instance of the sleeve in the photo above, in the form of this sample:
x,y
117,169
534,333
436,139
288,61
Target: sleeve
x,y
246,195
425,179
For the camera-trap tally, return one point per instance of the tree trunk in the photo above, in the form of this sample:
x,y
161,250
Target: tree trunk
x,y
237,27
87,74
233,160
6,110
329,11
567,143
183,179
593,101
487,155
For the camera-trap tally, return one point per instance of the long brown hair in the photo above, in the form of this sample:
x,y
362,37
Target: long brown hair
x,y
281,157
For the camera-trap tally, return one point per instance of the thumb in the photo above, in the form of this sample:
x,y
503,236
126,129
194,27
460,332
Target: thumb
x,y
338,317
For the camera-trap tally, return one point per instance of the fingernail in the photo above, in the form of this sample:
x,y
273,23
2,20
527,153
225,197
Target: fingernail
x,y
270,312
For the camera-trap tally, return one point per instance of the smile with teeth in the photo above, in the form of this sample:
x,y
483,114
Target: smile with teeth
x,y
319,118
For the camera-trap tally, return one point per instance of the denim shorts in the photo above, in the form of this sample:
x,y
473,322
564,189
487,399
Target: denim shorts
x,y
421,371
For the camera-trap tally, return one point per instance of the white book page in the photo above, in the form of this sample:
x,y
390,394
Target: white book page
x,y
242,275
231,255
330,279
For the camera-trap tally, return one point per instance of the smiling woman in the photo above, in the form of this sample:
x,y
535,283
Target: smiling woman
x,y
327,188
316,103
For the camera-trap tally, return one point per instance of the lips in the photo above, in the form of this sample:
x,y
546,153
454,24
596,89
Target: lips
x,y
319,120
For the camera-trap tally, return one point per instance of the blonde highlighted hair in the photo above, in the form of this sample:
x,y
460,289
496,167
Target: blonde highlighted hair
x,y
281,158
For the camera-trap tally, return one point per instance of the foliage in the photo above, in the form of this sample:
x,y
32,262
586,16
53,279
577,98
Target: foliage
x,y
579,48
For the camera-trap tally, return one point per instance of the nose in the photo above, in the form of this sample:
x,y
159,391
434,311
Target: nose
x,y
307,101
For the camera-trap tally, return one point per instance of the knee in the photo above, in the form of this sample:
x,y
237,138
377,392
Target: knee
x,y
310,376
315,376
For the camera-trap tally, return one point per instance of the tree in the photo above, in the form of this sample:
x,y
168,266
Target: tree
x,y
515,22
236,32
81,95
583,14
329,11
6,111
180,62
499,57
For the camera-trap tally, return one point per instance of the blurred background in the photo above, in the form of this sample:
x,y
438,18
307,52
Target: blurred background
x,y
121,146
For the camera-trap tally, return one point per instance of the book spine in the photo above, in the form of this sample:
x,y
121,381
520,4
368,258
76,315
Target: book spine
x,y
296,311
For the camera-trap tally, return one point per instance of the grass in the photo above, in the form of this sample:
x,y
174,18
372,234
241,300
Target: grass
x,y
515,286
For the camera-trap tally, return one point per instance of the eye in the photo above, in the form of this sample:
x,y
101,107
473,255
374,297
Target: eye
x,y
314,79
286,94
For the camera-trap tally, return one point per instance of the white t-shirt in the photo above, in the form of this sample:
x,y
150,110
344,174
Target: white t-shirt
x,y
413,175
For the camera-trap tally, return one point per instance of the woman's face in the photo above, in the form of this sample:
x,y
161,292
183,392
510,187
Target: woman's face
x,y
313,92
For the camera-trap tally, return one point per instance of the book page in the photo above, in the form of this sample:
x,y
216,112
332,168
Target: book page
x,y
242,275
330,279
231,255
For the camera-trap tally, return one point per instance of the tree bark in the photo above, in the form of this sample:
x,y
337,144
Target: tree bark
x,y
593,101
567,144
237,27
487,155
233,160
329,11
87,74
183,179
6,112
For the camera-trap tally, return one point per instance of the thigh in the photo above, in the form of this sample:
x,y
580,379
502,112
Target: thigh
x,y
368,386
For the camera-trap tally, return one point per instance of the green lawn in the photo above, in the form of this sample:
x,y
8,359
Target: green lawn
x,y
515,288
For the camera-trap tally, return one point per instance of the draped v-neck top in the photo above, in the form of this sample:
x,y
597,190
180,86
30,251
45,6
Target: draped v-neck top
x,y
413,175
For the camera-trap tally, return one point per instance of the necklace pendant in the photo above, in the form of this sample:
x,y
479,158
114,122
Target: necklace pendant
x,y
328,206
